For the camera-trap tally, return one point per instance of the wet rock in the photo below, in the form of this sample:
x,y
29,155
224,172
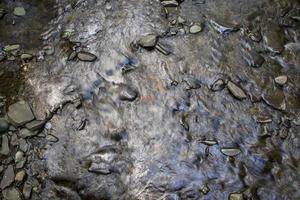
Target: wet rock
x,y
2,13
255,60
26,56
20,159
11,194
8,177
100,168
19,11
181,20
236,196
148,41
169,3
275,98
263,119
86,56
231,151
20,176
204,189
218,85
51,138
162,49
20,113
236,91
127,94
3,125
27,190
25,133
23,145
11,48
35,125
274,39
4,150
224,27
209,142
281,80
196,29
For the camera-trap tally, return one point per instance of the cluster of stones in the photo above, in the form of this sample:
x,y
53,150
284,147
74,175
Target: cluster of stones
x,y
17,127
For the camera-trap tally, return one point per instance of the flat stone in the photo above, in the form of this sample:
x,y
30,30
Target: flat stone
x,y
209,142
8,177
23,145
26,56
281,80
10,48
148,41
100,168
196,29
19,11
275,98
230,151
25,133
11,194
236,91
236,196
20,176
20,113
35,125
86,56
170,3
263,119
4,150
3,125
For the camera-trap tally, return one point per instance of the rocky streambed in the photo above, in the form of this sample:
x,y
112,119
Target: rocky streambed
x,y
150,99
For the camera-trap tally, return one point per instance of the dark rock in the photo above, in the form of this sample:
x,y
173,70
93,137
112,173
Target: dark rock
x,y
20,113
8,177
274,39
4,150
3,125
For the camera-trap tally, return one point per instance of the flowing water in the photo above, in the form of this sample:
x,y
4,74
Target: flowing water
x,y
207,114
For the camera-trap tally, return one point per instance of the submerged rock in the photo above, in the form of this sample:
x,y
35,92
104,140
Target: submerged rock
x,y
20,113
10,48
20,159
218,85
236,91
236,196
19,11
148,41
275,98
86,56
274,39
196,29
26,56
8,177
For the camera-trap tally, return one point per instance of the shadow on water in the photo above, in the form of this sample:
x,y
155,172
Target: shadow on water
x,y
22,30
